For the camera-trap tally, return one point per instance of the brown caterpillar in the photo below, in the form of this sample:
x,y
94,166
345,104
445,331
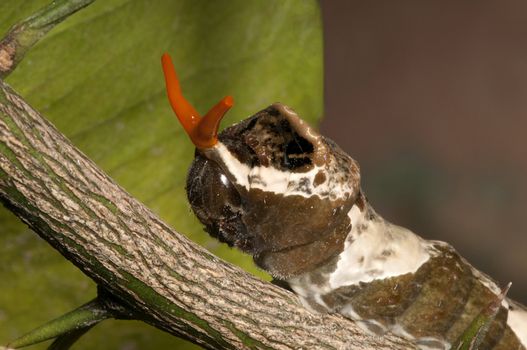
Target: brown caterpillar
x,y
276,189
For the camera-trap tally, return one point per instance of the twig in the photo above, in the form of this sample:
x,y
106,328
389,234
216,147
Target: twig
x,y
76,323
22,36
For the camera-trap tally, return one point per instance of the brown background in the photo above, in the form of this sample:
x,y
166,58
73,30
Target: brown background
x,y
431,98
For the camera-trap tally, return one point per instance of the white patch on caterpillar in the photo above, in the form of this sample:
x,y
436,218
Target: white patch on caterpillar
x,y
319,301
397,329
376,249
286,183
348,311
372,327
431,343
305,288
224,180
306,304
517,320
424,343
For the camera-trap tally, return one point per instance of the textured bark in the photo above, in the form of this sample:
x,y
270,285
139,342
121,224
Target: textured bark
x,y
157,274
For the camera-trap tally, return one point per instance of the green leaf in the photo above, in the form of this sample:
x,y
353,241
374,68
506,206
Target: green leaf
x,y
97,77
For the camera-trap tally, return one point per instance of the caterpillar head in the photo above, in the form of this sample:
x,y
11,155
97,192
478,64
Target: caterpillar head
x,y
269,185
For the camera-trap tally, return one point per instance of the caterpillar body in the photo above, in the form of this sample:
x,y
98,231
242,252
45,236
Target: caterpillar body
x,y
276,189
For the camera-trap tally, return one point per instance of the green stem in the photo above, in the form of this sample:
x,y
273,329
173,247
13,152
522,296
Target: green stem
x,y
23,35
65,341
76,322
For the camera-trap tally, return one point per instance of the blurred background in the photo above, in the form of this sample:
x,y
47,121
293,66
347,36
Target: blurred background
x,y
430,97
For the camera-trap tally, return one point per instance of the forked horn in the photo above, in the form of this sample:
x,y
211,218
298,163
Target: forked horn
x,y
203,131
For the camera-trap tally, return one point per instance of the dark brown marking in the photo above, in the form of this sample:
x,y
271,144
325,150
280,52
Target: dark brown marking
x,y
308,257
446,285
387,252
303,129
320,178
280,222
380,300
499,335
361,201
271,138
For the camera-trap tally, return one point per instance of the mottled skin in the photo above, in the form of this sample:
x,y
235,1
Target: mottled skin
x,y
254,220
291,198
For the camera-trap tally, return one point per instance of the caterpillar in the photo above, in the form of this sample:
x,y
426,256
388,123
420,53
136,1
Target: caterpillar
x,y
275,188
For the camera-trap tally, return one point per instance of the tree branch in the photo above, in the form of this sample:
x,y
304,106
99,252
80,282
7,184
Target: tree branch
x,y
158,275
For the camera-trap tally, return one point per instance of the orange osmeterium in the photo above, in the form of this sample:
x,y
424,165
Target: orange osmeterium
x,y
203,131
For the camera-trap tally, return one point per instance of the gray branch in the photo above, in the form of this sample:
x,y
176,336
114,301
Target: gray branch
x,y
157,274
